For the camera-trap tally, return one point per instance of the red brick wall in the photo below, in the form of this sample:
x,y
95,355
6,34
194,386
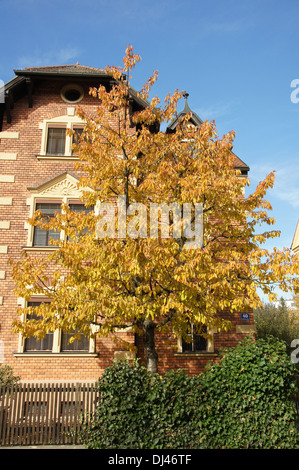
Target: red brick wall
x,y
193,363
31,172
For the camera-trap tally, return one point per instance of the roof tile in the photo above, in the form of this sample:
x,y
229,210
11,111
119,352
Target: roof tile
x,y
66,68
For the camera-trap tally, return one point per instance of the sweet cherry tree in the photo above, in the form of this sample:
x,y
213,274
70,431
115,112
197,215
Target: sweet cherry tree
x,y
110,273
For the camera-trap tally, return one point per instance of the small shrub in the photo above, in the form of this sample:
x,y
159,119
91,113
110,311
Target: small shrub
x,y
7,376
278,322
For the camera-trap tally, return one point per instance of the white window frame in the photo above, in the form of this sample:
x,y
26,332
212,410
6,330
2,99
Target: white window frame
x,y
69,121
72,86
35,200
210,344
57,336
64,200
61,189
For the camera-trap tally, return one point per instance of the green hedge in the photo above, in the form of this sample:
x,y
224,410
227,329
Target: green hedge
x,y
244,401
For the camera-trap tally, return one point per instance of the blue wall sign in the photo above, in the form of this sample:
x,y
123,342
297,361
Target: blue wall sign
x,y
245,316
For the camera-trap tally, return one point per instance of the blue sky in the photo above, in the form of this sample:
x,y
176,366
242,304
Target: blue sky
x,y
235,59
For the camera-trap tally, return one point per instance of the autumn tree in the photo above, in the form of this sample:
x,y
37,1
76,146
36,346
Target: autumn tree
x,y
110,273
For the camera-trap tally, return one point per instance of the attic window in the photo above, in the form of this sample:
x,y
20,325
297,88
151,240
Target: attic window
x,y
72,93
56,141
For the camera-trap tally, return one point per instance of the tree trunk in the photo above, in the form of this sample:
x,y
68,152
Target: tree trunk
x,y
151,355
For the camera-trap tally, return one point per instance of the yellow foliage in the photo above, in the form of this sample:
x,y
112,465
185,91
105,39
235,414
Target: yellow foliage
x,y
118,282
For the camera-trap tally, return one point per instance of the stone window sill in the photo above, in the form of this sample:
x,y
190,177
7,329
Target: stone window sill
x,y
196,354
51,354
57,157
39,248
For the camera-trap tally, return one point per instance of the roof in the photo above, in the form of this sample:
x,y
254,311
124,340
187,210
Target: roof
x,y
195,119
63,70
239,164
70,68
24,81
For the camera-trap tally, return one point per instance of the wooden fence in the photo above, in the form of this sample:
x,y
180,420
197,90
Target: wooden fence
x,y
35,414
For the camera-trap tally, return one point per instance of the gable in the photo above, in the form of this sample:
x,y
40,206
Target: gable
x,y
197,122
194,119
62,185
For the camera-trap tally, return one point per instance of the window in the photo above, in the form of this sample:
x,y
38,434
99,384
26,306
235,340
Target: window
x,y
76,137
42,237
48,198
32,344
56,141
81,344
77,207
72,93
38,408
54,342
198,341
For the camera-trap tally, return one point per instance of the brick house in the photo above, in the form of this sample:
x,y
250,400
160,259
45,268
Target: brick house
x,y
37,172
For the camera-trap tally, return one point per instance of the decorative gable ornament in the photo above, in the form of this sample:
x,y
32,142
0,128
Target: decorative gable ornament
x,y
64,185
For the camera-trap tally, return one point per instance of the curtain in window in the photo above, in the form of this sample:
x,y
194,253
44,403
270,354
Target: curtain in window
x,y
80,208
32,344
56,141
81,344
42,237
198,341
76,136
